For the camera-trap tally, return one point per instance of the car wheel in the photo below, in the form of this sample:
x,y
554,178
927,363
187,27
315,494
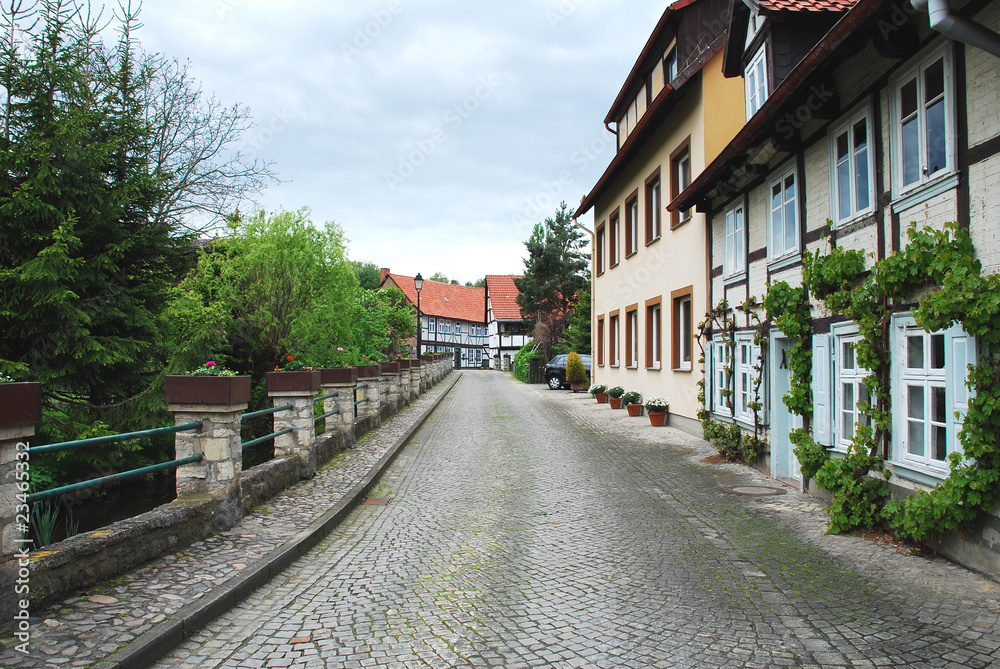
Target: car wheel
x,y
555,383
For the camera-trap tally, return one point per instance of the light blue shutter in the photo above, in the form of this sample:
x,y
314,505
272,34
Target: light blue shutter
x,y
961,352
709,374
821,389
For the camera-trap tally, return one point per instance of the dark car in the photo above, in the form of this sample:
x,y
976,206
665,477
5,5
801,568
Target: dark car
x,y
555,371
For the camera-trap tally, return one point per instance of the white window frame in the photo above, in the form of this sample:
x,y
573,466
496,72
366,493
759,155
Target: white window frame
x,y
633,226
746,355
458,328
685,334
655,205
720,380
432,325
670,65
846,125
614,334
774,251
915,70
947,380
848,383
633,343
755,82
734,255
656,343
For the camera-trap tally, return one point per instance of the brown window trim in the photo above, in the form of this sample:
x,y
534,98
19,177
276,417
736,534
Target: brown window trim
x,y
647,188
631,336
675,324
600,341
685,145
614,238
599,262
631,245
613,341
649,304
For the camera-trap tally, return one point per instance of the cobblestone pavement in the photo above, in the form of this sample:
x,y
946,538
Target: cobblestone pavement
x,y
82,630
526,527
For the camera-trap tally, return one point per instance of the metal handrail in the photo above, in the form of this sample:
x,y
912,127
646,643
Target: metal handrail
x,y
361,386
54,492
111,438
264,412
335,411
266,437
325,397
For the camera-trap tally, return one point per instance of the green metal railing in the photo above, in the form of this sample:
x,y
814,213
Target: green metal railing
x,y
267,437
111,478
264,412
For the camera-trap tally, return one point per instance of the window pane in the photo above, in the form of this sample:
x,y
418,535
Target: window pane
x,y
939,414
863,401
915,402
908,98
843,181
789,226
861,165
937,351
911,152
937,155
738,259
915,439
915,352
939,443
777,229
848,397
934,80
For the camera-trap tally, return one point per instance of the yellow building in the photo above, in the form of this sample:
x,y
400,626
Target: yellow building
x,y
650,268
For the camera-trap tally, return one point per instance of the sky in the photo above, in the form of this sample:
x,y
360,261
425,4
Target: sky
x,y
435,133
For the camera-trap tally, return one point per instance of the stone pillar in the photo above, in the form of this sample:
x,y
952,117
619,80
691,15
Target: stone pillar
x,y
14,481
389,385
217,476
371,375
405,389
301,441
340,383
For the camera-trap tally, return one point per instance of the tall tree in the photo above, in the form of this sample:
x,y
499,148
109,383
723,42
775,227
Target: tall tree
x,y
369,274
555,272
438,276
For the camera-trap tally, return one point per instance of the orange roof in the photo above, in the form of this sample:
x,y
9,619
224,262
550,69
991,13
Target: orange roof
x,y
805,5
503,294
443,300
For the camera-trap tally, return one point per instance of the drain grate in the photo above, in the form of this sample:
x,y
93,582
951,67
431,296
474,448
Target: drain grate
x,y
376,501
753,490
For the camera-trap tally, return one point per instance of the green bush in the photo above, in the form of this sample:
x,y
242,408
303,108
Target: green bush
x,y
576,373
616,392
631,397
522,361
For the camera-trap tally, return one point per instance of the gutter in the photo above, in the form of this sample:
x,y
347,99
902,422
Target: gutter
x,y
957,27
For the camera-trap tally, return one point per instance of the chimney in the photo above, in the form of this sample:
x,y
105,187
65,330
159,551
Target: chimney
x,y
382,273
454,283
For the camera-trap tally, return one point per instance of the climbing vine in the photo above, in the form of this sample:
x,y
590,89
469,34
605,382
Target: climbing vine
x,y
943,262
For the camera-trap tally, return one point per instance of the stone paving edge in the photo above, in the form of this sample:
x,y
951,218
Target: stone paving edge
x,y
157,642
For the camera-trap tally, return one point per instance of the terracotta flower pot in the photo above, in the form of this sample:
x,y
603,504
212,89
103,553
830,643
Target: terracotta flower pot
x,y
615,402
602,398
657,418
303,379
20,403
184,389
634,409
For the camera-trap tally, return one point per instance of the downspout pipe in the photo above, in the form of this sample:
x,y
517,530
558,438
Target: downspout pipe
x,y
957,27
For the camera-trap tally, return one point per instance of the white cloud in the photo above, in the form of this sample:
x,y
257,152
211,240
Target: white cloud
x,y
348,92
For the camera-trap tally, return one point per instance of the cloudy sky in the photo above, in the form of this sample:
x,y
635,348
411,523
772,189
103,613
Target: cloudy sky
x,y
436,133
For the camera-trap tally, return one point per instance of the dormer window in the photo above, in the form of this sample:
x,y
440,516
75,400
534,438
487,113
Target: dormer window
x,y
755,80
670,66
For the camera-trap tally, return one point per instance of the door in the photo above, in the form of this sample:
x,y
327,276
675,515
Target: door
x,y
784,464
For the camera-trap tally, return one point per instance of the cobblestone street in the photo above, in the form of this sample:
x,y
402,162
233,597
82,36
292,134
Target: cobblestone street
x,y
526,527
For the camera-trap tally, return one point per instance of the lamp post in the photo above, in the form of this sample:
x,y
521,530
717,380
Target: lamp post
x,y
418,283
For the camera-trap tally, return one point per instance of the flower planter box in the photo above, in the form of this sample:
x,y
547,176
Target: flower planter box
x,y
369,371
345,375
414,364
602,398
615,402
20,404
389,367
634,409
303,379
184,389
657,418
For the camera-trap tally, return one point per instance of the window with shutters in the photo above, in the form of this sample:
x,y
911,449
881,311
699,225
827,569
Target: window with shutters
x,y
719,380
850,392
746,360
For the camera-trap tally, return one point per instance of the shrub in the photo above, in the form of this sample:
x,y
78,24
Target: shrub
x,y
657,404
576,373
617,391
631,397
522,361
597,389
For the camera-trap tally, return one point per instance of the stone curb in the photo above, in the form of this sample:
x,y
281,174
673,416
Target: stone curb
x,y
158,641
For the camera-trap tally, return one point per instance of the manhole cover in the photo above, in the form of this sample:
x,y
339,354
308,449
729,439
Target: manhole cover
x,y
754,490
376,501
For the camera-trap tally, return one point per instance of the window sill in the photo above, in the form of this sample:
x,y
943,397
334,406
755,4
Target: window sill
x,y
613,266
784,261
653,240
917,474
856,218
676,224
631,367
653,369
629,255
920,194
686,370
734,278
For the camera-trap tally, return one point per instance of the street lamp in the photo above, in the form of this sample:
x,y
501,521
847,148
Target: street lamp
x,y
418,283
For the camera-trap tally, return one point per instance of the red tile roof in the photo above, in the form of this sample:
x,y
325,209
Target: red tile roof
x,y
804,5
443,300
503,294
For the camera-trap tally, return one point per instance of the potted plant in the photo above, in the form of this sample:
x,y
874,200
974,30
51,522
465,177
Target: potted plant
x,y
632,401
20,403
600,393
615,397
294,376
210,383
576,373
657,409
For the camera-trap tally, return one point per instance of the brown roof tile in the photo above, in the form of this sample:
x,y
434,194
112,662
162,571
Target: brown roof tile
x,y
444,300
503,294
806,5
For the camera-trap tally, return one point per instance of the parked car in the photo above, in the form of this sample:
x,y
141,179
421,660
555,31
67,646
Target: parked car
x,y
555,371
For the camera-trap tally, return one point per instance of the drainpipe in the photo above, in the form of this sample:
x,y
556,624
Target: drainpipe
x,y
958,27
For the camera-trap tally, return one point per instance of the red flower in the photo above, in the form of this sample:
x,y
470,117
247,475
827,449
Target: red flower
x,y
290,358
275,368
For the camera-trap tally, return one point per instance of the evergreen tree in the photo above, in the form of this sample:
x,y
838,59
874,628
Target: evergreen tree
x,y
555,272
